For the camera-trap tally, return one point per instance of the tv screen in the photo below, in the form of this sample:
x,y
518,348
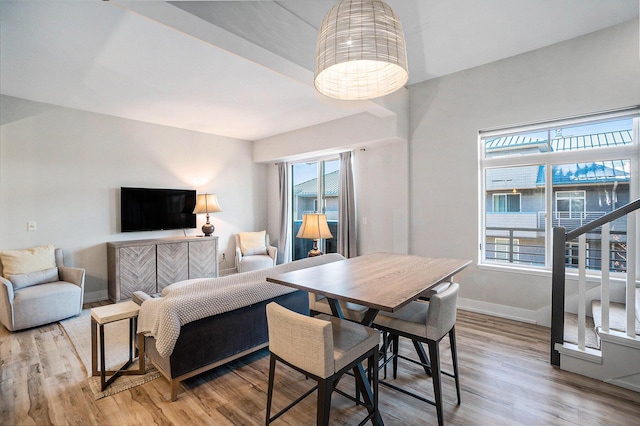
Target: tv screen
x,y
147,209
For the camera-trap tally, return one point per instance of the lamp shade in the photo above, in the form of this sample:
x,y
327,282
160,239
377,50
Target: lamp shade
x,y
207,203
360,51
314,226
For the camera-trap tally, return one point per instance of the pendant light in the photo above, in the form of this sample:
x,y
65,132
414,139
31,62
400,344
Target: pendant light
x,y
360,51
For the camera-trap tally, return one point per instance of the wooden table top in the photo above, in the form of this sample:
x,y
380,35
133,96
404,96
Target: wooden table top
x,y
382,281
115,312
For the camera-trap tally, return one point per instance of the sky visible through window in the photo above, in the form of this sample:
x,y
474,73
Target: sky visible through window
x,y
304,172
585,129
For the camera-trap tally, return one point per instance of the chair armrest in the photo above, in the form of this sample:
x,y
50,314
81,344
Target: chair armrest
x,y
273,253
6,290
72,275
6,303
140,296
238,256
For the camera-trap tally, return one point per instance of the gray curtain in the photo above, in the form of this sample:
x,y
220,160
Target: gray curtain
x,y
284,239
347,208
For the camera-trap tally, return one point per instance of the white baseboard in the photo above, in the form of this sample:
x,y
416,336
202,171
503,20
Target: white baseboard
x,y
96,296
502,311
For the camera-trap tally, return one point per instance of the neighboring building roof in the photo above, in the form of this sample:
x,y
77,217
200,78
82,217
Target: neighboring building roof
x,y
560,143
566,174
588,173
310,187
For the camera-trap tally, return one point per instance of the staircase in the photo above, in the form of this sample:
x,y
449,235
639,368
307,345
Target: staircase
x,y
605,345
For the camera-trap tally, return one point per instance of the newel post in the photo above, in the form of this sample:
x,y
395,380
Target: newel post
x,y
558,292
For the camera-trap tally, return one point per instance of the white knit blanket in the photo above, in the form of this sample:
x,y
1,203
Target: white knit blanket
x,y
196,299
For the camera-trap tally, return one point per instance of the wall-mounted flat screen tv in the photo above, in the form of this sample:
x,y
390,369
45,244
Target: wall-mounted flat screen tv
x,y
150,209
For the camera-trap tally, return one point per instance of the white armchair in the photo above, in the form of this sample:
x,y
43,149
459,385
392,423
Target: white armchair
x,y
253,251
36,288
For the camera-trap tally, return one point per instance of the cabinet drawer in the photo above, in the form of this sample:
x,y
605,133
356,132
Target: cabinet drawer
x,y
137,270
203,259
173,263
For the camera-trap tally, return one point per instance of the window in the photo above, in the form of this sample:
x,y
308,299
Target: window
x,y
561,173
504,249
315,189
506,203
570,204
572,254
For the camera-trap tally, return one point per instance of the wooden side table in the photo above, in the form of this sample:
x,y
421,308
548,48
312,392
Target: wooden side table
x,y
110,313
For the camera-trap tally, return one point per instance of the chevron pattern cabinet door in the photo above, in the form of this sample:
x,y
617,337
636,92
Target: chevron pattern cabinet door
x,y
203,258
137,270
173,263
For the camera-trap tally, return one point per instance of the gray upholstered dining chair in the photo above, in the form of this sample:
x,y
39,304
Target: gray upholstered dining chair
x,y
322,348
426,323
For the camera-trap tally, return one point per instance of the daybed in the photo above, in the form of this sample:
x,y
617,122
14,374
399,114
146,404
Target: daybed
x,y
199,324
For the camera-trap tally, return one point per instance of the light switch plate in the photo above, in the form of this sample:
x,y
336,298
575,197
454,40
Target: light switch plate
x,y
31,226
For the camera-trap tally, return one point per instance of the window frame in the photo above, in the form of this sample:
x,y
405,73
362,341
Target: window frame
x,y
549,160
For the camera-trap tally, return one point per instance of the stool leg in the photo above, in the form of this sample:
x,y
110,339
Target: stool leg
x,y
454,358
325,387
272,370
434,353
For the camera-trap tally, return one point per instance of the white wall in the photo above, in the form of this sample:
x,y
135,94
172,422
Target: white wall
x,y
63,168
596,72
382,198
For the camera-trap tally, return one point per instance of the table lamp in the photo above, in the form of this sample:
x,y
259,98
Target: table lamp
x,y
314,226
207,203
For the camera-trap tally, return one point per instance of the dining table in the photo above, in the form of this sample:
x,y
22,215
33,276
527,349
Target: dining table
x,y
377,281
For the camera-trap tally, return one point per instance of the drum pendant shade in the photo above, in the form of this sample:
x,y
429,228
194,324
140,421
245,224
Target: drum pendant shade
x,y
360,51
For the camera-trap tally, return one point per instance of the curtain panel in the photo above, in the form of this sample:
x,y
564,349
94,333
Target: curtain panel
x,y
284,238
347,243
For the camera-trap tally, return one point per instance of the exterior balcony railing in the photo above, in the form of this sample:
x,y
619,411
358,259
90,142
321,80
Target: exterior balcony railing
x,y
519,239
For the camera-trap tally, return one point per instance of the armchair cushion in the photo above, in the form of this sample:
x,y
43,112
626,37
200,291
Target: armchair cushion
x,y
27,260
33,278
253,241
255,251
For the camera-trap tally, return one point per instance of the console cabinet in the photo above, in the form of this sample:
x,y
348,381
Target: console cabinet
x,y
151,265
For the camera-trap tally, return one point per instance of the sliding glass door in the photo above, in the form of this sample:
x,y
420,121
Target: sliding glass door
x,y
315,190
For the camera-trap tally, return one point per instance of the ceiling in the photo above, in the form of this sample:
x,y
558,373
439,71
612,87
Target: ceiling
x,y
244,69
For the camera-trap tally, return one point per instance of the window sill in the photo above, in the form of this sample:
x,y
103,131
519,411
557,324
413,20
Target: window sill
x,y
592,278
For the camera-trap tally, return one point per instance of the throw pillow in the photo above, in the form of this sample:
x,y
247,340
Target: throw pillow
x,y
255,251
33,278
253,240
27,260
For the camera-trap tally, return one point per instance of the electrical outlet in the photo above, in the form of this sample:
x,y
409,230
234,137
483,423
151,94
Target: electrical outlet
x,y
32,226
224,256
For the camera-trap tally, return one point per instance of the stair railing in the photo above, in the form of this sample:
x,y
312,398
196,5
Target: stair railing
x,y
560,238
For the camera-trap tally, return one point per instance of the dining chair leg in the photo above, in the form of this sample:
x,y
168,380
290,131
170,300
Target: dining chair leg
x,y
385,348
373,360
272,369
454,358
325,387
434,354
396,344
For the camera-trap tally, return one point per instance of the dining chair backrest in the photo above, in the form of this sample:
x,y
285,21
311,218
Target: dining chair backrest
x,y
301,340
441,316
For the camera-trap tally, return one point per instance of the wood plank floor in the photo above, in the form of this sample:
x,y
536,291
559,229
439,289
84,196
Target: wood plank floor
x,y
505,378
